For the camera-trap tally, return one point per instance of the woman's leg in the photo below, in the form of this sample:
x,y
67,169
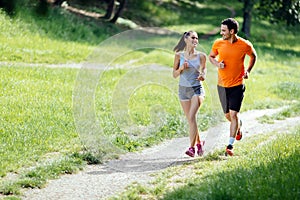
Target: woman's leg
x,y
190,109
186,106
196,102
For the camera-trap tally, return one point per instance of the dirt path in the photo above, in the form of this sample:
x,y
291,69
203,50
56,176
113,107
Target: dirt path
x,y
103,181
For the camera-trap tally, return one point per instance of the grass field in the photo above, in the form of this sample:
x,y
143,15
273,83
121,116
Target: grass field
x,y
40,115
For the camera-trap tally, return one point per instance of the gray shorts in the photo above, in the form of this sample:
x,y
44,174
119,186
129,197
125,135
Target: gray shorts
x,y
186,93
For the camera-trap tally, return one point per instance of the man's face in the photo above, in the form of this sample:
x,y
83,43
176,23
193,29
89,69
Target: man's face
x,y
226,34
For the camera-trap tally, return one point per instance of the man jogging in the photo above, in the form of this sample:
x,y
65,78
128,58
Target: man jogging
x,y
228,54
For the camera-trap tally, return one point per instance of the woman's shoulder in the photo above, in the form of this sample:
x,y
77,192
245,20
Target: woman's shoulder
x,y
201,54
179,53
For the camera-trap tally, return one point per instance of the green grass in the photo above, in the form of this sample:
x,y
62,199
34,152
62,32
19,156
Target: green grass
x,y
266,167
37,177
59,37
37,116
292,111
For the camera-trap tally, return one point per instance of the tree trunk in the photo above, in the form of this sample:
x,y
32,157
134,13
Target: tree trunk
x,y
58,2
42,8
286,5
9,6
248,6
119,11
110,9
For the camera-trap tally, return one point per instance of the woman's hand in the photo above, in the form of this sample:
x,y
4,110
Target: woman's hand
x,y
201,77
184,66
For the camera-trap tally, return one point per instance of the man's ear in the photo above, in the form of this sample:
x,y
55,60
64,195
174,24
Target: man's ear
x,y
231,31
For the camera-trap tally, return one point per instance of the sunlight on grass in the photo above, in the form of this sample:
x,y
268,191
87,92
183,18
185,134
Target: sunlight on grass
x,y
36,114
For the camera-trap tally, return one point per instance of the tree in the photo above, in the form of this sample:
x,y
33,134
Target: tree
x,y
113,11
247,17
42,8
111,7
9,6
273,10
58,2
280,11
122,4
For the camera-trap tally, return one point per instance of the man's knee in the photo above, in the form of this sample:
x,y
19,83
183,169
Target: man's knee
x,y
227,115
233,114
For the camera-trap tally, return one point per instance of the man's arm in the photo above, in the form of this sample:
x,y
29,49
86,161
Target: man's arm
x,y
213,60
252,62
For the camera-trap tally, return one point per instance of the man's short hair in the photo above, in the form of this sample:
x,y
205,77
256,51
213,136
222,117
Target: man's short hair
x,y
231,24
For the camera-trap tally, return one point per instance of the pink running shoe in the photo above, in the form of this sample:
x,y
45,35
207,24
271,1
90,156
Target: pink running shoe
x,y
190,152
200,150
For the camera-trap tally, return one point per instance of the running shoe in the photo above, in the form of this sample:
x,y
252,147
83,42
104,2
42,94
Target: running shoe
x,y
229,150
190,152
239,134
200,150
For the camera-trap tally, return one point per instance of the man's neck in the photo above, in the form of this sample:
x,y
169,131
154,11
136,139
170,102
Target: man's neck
x,y
233,39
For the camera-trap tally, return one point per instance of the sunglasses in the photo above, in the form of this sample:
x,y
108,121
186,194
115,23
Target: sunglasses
x,y
194,38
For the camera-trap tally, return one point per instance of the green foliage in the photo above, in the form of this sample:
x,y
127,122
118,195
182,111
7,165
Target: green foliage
x,y
177,15
42,9
9,6
277,11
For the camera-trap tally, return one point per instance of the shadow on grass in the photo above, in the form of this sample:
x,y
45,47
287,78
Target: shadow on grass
x,y
279,179
62,25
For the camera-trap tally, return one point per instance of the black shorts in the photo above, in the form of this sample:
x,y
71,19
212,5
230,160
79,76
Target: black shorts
x,y
231,98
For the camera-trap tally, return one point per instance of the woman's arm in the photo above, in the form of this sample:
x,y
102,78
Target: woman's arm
x,y
202,72
176,68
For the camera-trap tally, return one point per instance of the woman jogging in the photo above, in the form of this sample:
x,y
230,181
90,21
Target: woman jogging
x,y
190,65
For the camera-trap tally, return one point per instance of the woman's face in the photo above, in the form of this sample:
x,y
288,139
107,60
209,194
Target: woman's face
x,y
192,40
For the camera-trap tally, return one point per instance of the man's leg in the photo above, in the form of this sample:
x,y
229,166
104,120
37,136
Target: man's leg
x,y
235,102
234,125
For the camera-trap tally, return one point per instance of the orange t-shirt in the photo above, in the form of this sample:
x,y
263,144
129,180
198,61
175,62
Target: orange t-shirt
x,y
233,56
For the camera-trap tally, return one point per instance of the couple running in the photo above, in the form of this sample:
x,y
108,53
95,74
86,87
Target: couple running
x,y
228,55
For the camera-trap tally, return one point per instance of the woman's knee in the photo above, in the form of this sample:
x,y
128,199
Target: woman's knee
x,y
192,118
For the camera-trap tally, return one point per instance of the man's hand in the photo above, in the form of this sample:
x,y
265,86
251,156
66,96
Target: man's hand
x,y
246,75
221,64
